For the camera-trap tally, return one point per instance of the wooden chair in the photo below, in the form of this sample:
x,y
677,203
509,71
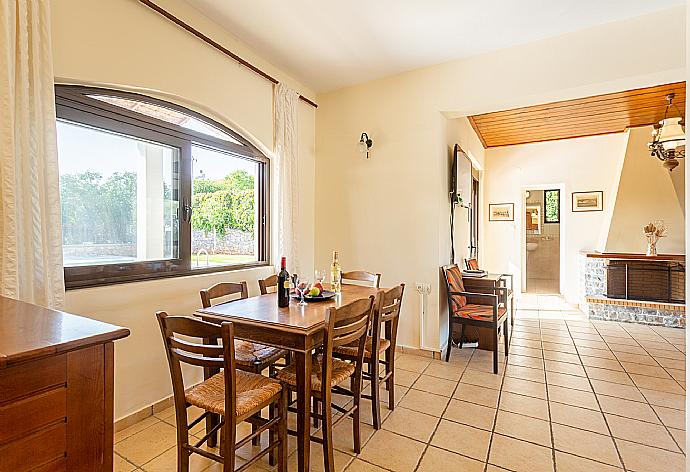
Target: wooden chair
x,y
267,283
236,396
369,279
386,313
474,309
344,326
249,356
472,264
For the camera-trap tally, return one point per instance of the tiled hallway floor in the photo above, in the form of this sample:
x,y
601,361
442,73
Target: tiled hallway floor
x,y
574,396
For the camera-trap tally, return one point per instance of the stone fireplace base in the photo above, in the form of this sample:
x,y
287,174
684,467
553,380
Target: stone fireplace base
x,y
596,303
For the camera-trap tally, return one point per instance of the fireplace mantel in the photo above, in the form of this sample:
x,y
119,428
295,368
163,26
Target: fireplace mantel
x,y
631,256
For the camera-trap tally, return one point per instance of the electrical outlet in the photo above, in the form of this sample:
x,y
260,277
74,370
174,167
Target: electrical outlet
x,y
420,287
424,289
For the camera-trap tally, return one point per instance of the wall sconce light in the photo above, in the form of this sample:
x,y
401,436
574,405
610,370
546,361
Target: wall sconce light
x,y
365,144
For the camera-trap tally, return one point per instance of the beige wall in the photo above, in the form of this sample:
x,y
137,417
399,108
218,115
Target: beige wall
x,y
386,213
646,193
125,44
573,165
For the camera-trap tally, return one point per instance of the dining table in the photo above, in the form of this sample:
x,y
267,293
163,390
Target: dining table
x,y
297,328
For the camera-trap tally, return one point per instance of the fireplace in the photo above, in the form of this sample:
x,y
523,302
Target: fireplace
x,y
659,281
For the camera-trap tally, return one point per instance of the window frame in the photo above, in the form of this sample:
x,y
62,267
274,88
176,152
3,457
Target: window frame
x,y
73,105
558,206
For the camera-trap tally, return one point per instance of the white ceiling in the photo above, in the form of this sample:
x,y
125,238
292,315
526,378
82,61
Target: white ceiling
x,y
328,44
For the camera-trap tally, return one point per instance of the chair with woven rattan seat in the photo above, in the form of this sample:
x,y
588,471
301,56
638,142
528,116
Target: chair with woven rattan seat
x,y
504,291
473,309
361,277
235,395
268,283
344,325
380,342
249,356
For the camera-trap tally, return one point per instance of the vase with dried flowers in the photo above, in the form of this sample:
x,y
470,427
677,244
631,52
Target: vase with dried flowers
x,y
653,232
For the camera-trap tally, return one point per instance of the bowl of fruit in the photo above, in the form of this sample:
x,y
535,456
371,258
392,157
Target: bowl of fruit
x,y
316,294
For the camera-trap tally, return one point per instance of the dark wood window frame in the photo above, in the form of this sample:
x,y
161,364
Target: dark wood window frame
x,y
558,206
73,104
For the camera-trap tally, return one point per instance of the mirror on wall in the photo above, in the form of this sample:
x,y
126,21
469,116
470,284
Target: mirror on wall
x,y
533,219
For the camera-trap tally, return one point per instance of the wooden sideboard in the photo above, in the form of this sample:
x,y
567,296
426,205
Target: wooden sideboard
x,y
56,390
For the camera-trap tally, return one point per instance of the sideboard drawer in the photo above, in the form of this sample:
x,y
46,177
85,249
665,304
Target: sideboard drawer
x,y
21,417
31,377
34,451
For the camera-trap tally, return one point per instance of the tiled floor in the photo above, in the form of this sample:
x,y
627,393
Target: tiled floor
x,y
574,396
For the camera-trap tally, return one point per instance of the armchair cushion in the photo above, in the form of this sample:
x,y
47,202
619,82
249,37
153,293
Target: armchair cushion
x,y
455,284
479,312
472,264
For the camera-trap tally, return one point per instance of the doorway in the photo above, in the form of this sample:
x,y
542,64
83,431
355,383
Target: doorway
x,y
542,223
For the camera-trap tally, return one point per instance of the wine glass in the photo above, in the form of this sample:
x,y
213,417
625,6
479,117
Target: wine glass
x,y
319,276
302,287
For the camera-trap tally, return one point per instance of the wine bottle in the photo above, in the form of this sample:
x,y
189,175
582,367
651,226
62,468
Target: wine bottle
x,y
283,285
335,273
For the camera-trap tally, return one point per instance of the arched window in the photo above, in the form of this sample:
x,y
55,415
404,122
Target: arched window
x,y
151,189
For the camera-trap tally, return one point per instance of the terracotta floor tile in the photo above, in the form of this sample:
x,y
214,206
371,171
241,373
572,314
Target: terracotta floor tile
x,y
601,353
611,364
653,383
444,371
636,358
679,436
677,374
168,461
358,465
143,446
627,408
462,439
593,446
405,377
524,387
436,459
435,385
520,456
424,402
573,397
412,424
669,400
569,463
670,417
568,381
523,427
525,361
121,465
483,379
562,357
470,414
607,375
412,363
567,348
524,405
639,458
576,417
564,368
475,394
650,434
136,427
628,392
525,373
392,451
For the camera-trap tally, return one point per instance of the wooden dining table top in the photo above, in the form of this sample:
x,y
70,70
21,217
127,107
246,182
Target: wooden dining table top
x,y
264,310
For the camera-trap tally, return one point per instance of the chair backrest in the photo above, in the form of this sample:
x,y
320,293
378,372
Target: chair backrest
x,y
269,282
221,290
387,312
472,264
183,338
369,279
345,325
453,278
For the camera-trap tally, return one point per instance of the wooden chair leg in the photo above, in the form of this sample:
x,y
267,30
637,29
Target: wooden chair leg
x,y
375,394
495,333
390,383
228,432
505,336
182,459
327,435
450,339
462,335
272,456
256,440
356,436
282,431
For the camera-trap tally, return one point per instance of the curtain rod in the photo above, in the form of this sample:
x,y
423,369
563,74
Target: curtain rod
x,y
216,45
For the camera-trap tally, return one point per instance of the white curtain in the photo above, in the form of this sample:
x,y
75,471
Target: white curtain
x,y
30,230
285,178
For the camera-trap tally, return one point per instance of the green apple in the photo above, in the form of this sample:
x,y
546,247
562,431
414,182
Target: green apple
x,y
314,292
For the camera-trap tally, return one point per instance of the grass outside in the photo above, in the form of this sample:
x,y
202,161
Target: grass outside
x,y
222,259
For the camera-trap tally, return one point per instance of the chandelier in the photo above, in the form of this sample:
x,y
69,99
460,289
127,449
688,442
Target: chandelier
x,y
668,137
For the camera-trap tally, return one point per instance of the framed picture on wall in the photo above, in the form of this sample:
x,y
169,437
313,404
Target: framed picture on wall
x,y
588,201
501,212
